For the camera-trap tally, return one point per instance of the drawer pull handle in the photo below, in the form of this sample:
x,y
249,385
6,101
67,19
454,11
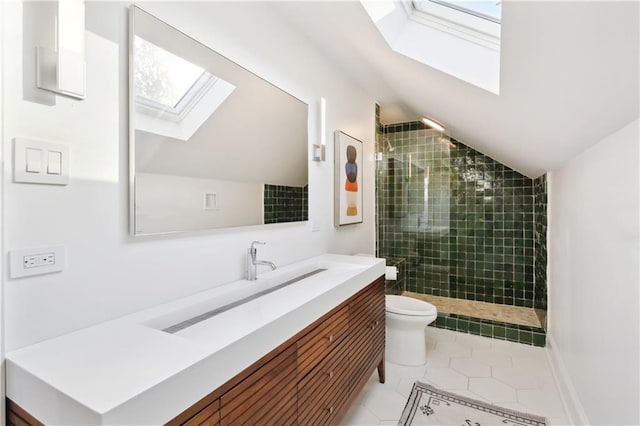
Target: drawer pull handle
x,y
330,338
330,374
330,409
375,324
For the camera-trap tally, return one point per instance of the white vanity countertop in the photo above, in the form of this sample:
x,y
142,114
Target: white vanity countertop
x,y
129,371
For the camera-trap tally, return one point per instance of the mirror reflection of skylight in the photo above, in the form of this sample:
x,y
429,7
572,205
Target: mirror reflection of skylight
x,y
490,10
161,76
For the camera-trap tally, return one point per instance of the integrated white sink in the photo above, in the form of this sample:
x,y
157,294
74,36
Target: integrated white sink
x,y
188,318
238,299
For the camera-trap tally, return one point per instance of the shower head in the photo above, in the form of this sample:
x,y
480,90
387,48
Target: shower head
x,y
389,146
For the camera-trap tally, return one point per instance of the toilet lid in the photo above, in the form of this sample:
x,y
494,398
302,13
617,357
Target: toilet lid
x,y
409,306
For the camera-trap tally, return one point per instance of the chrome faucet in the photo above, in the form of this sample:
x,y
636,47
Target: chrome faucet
x,y
252,262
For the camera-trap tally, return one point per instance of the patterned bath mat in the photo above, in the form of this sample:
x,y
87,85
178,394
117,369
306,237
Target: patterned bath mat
x,y
429,406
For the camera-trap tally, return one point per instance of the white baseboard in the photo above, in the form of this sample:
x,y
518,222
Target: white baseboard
x,y
572,405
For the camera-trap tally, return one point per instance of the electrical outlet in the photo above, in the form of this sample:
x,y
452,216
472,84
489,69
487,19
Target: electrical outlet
x,y
36,261
39,260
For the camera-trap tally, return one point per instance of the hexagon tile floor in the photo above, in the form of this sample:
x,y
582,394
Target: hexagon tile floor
x,y
511,375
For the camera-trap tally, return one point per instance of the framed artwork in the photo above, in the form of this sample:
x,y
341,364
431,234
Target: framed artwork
x,y
348,179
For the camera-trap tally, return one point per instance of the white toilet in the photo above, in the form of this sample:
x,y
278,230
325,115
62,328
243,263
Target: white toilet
x,y
406,319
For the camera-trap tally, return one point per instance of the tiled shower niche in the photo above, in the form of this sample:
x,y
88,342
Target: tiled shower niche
x,y
464,224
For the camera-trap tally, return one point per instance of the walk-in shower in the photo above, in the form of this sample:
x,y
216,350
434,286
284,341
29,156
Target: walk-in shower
x,y
464,232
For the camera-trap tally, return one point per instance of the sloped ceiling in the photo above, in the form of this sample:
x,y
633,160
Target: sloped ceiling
x,y
569,77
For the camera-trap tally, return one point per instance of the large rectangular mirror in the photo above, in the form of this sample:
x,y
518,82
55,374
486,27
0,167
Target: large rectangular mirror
x,y
212,145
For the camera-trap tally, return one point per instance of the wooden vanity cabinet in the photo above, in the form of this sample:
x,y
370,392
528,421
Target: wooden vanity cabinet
x,y
209,416
311,379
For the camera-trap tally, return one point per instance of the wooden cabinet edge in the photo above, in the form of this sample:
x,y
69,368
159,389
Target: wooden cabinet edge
x,y
16,416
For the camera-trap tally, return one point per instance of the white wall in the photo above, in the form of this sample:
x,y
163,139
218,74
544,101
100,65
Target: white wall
x,y
593,277
176,203
108,273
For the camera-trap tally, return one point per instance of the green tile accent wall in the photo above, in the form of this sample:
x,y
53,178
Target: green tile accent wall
x,y
465,226
491,230
540,247
285,203
463,222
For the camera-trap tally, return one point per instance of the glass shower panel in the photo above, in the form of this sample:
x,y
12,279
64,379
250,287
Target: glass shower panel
x,y
413,197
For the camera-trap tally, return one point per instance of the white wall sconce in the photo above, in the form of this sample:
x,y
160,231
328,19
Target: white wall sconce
x,y
63,70
319,149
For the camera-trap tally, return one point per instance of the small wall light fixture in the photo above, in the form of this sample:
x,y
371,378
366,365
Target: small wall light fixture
x,y
319,149
434,124
63,70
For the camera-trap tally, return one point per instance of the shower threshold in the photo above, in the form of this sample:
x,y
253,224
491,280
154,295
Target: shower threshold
x,y
489,311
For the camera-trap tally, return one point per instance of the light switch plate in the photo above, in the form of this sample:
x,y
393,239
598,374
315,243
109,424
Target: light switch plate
x,y
36,261
57,151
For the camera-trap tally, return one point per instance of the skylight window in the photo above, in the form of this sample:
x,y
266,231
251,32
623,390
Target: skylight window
x,y
473,19
161,76
173,96
458,37
489,10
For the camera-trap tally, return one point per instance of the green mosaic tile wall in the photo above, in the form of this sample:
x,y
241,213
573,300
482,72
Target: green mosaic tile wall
x,y
540,247
463,222
491,235
461,225
285,203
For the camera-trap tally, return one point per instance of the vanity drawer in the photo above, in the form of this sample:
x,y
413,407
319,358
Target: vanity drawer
x,y
367,330
316,344
319,393
267,396
210,416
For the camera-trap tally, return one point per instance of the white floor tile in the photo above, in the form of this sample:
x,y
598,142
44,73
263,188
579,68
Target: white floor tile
x,y
385,404
470,367
492,390
535,360
558,421
472,341
403,371
359,415
446,378
492,358
453,349
536,365
406,385
541,402
440,335
517,378
512,348
520,379
436,358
